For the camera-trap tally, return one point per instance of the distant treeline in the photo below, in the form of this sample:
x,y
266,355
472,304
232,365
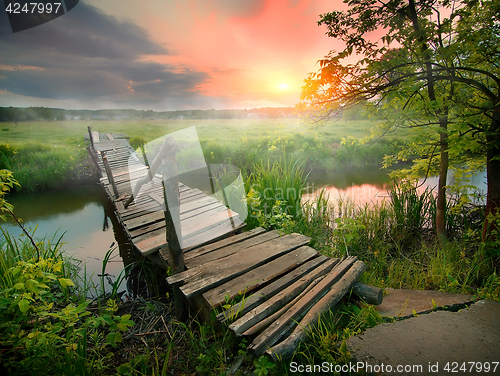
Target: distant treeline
x,y
42,113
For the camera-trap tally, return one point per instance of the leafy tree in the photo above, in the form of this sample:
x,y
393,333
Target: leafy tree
x,y
426,73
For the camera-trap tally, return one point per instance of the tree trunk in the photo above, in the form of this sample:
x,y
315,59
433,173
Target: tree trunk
x,y
493,174
443,172
442,115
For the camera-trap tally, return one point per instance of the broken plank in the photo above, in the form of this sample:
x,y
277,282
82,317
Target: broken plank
x,y
283,297
274,332
270,290
258,276
288,346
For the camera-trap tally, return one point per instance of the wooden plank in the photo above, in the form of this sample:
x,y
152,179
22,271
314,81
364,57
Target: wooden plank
x,y
151,221
288,346
256,277
270,290
155,240
216,233
219,271
289,319
95,136
196,252
195,260
260,326
279,300
204,222
249,243
110,136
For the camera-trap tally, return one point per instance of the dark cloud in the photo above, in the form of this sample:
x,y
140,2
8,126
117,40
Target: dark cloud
x,y
87,55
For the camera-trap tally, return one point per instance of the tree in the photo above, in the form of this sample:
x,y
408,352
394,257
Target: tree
x,y
425,66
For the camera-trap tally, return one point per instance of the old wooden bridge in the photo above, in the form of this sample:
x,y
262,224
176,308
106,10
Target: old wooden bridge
x,y
281,284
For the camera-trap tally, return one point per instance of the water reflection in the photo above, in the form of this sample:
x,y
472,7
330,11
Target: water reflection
x,y
80,216
371,186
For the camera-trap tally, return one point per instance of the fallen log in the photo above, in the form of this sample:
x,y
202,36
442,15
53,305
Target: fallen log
x,y
368,294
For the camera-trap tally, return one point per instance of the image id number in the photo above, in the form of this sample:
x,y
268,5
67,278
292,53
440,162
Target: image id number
x,y
18,8
471,367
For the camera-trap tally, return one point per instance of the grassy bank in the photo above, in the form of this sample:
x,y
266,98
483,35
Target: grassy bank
x,y
46,155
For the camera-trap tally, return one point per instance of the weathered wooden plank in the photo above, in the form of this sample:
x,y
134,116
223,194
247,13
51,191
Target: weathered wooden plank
x,y
155,240
110,136
287,347
204,222
279,300
249,243
197,252
217,272
192,262
263,324
270,290
256,277
215,234
289,319
151,221
95,136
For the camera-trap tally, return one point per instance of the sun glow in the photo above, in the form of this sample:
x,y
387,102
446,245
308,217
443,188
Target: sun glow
x,y
283,86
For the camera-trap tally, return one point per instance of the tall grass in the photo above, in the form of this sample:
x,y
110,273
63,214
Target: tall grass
x,y
39,166
274,189
14,250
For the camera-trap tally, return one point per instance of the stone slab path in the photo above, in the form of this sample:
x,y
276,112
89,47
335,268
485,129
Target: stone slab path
x,y
436,343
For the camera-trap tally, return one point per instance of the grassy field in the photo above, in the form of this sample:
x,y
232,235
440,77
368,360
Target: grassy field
x,y
42,154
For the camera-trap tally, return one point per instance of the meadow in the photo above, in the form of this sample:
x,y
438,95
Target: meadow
x,y
45,155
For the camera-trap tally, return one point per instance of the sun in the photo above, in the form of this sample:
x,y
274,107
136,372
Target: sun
x,y
283,86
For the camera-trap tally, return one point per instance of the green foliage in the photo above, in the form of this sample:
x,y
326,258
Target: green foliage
x,y
7,182
42,329
263,366
327,340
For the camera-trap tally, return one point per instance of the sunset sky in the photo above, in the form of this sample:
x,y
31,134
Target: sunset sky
x,y
165,54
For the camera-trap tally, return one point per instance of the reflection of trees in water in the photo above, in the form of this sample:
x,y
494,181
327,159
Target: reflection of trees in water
x,y
31,206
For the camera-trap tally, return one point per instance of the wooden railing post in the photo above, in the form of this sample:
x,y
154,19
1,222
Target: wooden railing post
x,y
91,139
111,180
170,182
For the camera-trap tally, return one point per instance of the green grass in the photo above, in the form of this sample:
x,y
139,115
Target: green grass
x,y
42,154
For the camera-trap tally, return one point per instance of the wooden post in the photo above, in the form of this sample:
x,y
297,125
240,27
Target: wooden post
x,y
111,180
91,139
94,158
170,182
150,175
224,198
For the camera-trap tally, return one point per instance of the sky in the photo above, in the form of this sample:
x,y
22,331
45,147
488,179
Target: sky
x,y
166,54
